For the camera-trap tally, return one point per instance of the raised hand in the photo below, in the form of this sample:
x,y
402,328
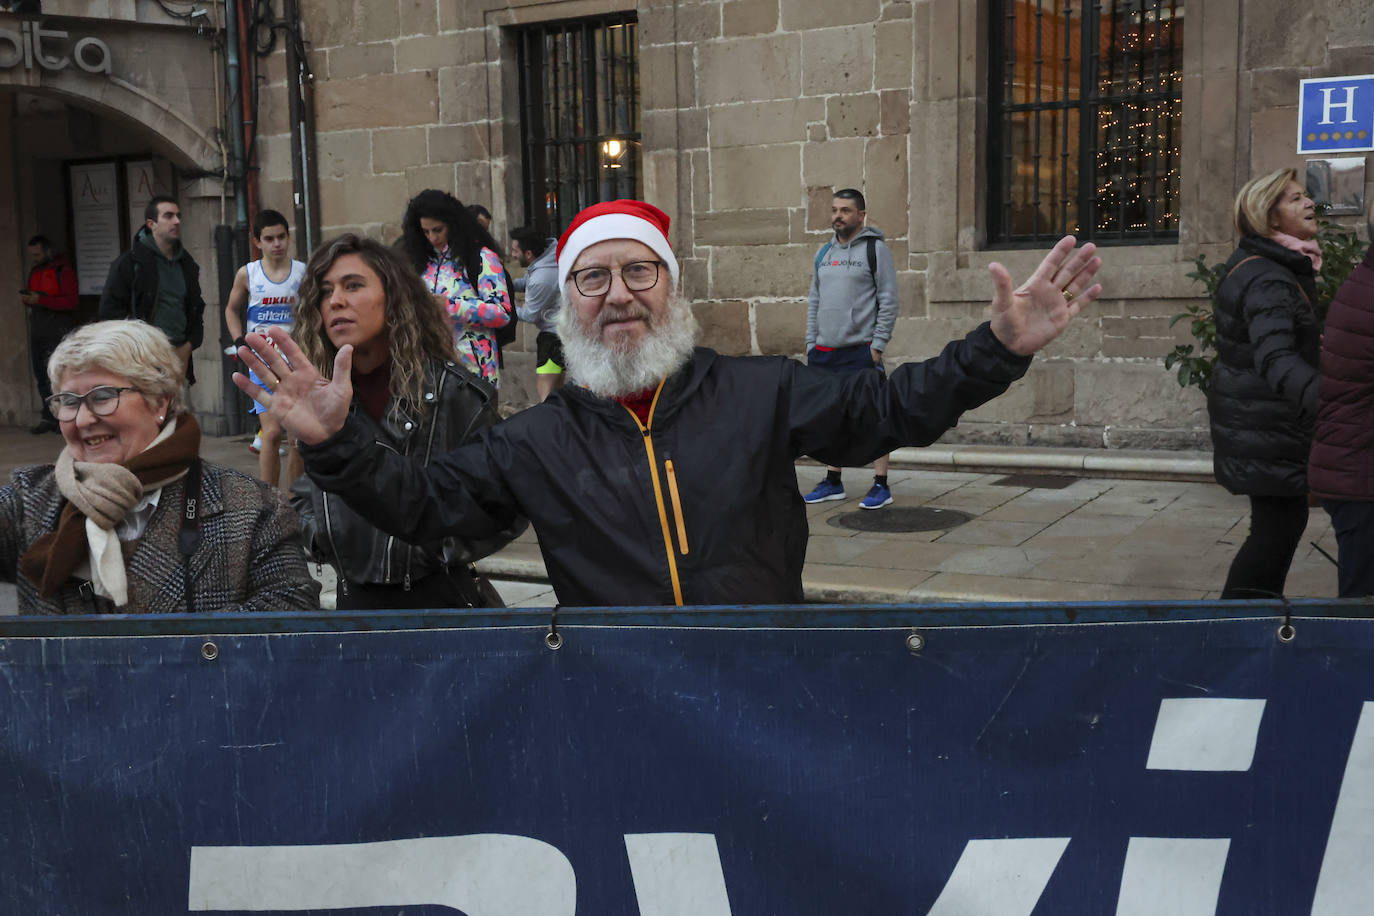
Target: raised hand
x,y
309,406
1036,312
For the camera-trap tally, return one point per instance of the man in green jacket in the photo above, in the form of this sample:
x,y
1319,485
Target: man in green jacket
x,y
157,281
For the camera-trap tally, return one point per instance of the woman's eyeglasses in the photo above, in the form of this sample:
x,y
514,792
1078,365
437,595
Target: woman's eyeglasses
x,y
636,275
102,401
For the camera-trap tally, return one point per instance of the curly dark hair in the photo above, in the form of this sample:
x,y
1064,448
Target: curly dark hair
x,y
417,327
466,237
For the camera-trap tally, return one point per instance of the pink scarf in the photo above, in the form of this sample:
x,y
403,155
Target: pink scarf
x,y
1308,247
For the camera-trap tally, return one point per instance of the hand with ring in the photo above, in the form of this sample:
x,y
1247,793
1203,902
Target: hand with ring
x,y
1026,319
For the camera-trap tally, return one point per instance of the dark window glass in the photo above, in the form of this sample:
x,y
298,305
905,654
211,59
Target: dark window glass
x,y
1086,120
579,115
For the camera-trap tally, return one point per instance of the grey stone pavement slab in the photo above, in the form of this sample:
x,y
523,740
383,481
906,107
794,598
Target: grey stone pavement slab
x,y
1097,539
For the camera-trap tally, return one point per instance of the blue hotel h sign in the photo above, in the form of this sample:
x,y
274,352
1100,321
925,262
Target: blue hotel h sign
x,y
1336,114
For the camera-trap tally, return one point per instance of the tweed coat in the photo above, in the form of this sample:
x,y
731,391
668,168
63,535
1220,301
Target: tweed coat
x,y
250,557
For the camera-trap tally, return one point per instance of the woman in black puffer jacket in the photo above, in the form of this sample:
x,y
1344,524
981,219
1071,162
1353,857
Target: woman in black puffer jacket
x,y
1263,396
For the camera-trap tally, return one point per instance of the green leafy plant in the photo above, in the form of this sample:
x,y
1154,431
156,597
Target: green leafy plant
x,y
1342,250
1195,361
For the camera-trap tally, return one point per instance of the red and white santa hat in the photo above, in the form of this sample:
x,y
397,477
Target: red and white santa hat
x,y
615,219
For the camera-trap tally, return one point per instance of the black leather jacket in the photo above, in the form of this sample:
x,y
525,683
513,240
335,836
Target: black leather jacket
x,y
358,551
699,505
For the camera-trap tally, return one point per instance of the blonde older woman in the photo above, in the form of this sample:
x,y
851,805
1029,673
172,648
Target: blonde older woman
x,y
1263,397
130,519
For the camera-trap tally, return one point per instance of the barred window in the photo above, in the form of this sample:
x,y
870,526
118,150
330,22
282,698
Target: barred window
x,y
579,115
1086,120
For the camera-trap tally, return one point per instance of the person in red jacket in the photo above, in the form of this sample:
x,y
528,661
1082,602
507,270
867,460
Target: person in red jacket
x,y
1340,469
51,298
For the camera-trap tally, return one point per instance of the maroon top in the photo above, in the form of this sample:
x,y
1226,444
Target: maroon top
x,y
373,390
1341,465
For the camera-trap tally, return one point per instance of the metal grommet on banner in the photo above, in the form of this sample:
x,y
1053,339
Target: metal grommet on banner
x,y
551,638
209,651
1286,631
915,642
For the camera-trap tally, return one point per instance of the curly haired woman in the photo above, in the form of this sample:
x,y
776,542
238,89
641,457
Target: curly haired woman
x,y
462,268
416,400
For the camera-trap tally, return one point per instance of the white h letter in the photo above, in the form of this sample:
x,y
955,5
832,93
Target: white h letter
x,y
1348,104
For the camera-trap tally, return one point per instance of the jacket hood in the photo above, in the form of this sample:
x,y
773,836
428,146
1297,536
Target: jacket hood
x,y
865,232
145,235
1295,261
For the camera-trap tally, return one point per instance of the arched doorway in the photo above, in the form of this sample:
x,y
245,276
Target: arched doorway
x,y
118,145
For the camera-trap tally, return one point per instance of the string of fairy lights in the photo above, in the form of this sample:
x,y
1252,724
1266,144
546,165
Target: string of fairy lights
x,y
1135,155
1137,151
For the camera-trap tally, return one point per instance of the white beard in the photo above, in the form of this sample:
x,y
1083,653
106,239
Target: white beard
x,y
617,370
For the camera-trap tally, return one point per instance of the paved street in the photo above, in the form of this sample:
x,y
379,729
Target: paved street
x,y
1094,539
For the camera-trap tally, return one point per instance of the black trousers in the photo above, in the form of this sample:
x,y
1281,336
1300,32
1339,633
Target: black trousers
x,y
1261,565
46,330
1353,523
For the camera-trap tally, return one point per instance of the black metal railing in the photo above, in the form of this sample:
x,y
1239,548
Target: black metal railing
x,y
1086,102
579,115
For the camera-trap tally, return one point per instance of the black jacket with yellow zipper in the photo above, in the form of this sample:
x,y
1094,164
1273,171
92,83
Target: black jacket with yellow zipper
x,y
698,506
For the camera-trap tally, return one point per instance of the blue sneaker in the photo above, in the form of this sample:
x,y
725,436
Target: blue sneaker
x,y
824,492
877,497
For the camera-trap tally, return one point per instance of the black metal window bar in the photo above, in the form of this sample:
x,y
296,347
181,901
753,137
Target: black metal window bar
x,y
1086,103
579,115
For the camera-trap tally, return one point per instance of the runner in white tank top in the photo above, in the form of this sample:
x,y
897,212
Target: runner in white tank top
x,y
264,296
272,304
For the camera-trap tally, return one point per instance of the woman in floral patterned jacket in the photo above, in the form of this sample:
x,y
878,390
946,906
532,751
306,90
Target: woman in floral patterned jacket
x,y
462,268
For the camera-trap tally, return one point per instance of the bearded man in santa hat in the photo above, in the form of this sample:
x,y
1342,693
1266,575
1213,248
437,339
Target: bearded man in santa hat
x,y
663,474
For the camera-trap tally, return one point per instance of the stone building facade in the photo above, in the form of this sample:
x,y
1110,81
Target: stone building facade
x,y
750,112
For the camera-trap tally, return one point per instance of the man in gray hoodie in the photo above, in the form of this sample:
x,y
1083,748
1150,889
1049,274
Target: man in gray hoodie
x,y
850,314
539,256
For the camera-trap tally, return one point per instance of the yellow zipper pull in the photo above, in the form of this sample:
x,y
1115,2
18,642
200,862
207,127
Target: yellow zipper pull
x,y
677,507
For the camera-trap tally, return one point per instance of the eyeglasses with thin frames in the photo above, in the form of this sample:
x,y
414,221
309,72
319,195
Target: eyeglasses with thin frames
x,y
636,275
101,400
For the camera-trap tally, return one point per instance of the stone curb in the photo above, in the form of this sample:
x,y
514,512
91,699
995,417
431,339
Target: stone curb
x,y
1195,467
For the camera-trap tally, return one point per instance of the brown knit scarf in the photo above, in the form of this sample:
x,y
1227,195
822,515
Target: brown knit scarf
x,y
103,493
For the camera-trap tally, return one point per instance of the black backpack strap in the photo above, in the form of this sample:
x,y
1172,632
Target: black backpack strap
x,y
189,538
133,289
873,260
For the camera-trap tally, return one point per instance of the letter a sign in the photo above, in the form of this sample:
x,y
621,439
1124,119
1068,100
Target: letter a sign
x,y
1336,114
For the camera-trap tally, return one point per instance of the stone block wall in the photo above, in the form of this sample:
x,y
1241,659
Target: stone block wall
x,y
789,101
754,111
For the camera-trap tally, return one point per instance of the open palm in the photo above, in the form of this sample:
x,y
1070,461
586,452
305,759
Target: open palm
x,y
309,406
1027,318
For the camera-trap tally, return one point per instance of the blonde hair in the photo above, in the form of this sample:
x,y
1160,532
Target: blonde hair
x,y
135,350
1257,199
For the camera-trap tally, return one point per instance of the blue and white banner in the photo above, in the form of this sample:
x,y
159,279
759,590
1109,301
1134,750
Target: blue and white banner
x,y
1336,114
839,764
